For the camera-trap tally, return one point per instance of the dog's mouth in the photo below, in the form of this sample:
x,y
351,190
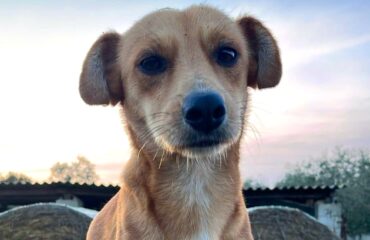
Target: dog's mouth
x,y
202,144
191,144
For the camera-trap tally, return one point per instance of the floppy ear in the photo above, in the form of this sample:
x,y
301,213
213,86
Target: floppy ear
x,y
264,68
100,81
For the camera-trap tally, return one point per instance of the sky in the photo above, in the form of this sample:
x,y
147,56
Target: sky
x,y
323,100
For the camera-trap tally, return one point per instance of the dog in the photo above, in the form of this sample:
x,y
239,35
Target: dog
x,y
182,79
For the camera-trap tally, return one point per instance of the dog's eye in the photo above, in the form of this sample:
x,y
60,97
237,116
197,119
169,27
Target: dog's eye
x,y
153,65
226,56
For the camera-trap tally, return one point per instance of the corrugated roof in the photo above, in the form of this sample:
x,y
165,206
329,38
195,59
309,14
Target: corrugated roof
x,y
59,183
317,187
76,184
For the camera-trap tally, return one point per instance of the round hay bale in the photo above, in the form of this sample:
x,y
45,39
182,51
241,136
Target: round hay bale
x,y
283,223
44,221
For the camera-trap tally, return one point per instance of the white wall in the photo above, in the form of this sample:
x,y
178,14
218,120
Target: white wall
x,y
70,201
329,214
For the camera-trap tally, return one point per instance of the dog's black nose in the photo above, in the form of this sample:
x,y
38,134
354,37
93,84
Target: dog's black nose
x,y
204,111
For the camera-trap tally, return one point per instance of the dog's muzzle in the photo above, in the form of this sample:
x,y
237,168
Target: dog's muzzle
x,y
204,111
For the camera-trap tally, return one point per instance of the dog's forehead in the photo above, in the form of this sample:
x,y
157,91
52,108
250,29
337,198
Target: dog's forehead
x,y
192,20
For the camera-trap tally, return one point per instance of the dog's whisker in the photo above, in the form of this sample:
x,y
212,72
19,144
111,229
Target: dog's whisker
x,y
177,161
220,160
187,163
160,162
155,155
138,154
153,131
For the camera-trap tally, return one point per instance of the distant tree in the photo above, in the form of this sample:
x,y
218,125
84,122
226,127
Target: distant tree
x,y
252,183
335,169
355,197
81,171
14,177
349,169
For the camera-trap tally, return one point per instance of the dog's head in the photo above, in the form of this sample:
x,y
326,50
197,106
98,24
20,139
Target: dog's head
x,y
182,76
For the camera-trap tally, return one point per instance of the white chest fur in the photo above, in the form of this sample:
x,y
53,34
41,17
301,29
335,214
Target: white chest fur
x,y
196,184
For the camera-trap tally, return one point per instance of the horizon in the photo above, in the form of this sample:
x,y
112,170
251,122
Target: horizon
x,y
323,100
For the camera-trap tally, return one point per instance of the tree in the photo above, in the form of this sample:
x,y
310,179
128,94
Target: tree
x,y
343,168
251,183
335,169
81,171
14,177
355,198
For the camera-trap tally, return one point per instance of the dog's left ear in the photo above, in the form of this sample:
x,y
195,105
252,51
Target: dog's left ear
x,y
264,68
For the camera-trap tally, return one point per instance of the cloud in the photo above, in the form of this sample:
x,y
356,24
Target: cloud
x,y
296,57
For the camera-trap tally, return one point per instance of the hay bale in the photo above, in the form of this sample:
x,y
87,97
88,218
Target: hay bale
x,y
283,223
44,221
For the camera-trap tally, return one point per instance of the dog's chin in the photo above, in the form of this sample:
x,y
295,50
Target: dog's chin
x,y
205,150
199,149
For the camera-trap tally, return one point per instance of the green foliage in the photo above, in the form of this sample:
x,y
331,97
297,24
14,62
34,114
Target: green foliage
x,y
355,197
81,171
338,168
14,177
341,168
251,183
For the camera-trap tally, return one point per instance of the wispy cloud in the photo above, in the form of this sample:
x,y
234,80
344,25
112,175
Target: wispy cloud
x,y
295,57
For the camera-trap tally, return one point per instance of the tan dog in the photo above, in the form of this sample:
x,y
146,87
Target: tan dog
x,y
182,78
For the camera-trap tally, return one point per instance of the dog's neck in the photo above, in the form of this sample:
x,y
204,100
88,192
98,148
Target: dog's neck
x,y
179,189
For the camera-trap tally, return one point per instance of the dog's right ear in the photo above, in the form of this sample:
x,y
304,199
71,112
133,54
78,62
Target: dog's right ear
x,y
100,80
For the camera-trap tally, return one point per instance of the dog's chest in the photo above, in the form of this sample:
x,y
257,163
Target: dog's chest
x,y
196,194
194,188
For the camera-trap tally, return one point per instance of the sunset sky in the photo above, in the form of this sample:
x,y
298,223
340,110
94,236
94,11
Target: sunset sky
x,y
323,100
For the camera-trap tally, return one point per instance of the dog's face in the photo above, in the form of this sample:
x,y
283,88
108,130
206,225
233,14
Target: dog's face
x,y
182,77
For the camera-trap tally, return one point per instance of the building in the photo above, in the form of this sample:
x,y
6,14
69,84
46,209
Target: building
x,y
318,202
